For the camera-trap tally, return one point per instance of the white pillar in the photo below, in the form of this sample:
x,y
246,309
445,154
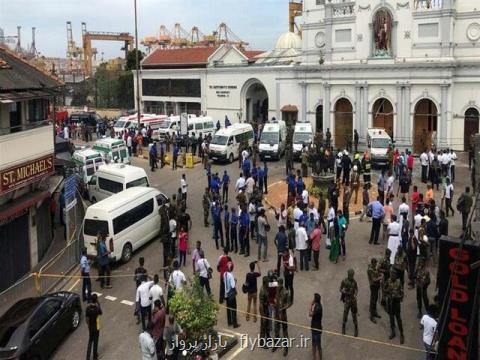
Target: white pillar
x,y
366,119
303,112
408,118
326,107
443,123
399,116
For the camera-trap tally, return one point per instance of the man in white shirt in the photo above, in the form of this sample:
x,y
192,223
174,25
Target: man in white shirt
x,y
143,299
445,163
202,268
244,155
281,215
249,185
390,183
147,344
394,238
177,278
129,144
156,291
230,296
301,239
403,209
184,187
449,197
453,157
424,163
429,325
297,214
313,210
240,184
305,197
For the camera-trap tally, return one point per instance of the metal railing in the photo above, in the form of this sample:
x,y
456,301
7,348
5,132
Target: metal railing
x,y
428,4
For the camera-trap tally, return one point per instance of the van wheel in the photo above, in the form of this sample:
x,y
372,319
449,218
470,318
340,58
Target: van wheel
x,y
230,158
94,200
126,253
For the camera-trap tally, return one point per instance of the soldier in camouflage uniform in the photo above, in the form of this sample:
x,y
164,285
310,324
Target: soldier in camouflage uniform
x,y
206,206
384,268
304,158
422,282
375,280
263,309
394,298
281,314
349,290
400,264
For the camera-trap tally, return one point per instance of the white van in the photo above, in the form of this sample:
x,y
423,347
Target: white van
x,y
87,162
129,219
378,143
130,122
303,135
169,125
201,125
112,150
113,178
273,140
226,141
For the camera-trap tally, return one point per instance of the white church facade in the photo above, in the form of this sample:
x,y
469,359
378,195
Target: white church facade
x,y
410,66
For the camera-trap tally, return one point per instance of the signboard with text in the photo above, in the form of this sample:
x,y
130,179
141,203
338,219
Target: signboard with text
x,y
25,173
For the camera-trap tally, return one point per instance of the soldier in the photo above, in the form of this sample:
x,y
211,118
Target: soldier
x,y
263,309
206,206
375,279
304,162
349,290
355,182
422,282
394,297
384,269
400,264
281,314
288,159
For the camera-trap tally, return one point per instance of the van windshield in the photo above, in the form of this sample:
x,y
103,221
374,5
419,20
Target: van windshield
x,y
380,143
269,138
92,227
120,123
139,182
165,125
219,140
301,137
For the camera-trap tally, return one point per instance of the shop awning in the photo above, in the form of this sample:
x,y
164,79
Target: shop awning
x,y
18,207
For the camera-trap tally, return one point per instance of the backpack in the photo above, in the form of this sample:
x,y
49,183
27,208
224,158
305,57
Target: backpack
x,y
461,203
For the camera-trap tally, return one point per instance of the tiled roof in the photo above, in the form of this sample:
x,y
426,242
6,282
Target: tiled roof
x,y
251,54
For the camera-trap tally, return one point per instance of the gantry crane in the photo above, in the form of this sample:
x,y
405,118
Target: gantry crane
x,y
179,37
89,36
226,36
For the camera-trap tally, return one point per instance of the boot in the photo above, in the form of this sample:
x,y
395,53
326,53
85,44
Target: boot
x,y
355,333
372,319
402,339
343,329
377,315
392,335
419,315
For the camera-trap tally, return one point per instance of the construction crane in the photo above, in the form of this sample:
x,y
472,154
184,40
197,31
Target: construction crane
x,y
224,35
89,36
32,51
18,47
195,37
294,10
179,37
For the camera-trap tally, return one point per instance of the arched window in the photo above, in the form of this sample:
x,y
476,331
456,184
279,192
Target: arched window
x,y
382,33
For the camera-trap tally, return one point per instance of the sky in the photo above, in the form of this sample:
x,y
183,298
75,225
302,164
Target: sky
x,y
258,22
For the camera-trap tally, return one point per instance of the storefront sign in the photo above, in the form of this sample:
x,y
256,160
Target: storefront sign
x,y
457,283
18,176
223,90
12,217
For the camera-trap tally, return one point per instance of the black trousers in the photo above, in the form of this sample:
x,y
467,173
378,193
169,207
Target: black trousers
x,y
86,286
205,282
93,342
448,206
394,313
374,289
279,263
381,194
226,224
375,230
452,172
422,296
244,241
104,275
225,194
424,173
289,284
232,310
145,312
233,238
316,255
464,220
412,262
265,184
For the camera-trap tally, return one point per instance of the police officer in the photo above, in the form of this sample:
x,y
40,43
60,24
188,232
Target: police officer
x,y
282,302
422,282
394,297
375,280
206,206
349,290
384,269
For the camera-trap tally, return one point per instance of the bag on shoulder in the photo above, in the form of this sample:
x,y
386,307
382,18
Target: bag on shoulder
x,y
461,203
245,288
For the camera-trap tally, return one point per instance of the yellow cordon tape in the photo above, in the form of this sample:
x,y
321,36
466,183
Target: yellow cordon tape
x,y
329,332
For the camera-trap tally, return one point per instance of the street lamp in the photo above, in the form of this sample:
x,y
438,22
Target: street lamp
x,y
137,64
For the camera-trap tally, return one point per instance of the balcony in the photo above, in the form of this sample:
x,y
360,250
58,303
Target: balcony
x,y
341,7
422,5
26,143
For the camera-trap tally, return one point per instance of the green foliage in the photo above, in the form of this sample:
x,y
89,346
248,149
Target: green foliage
x,y
195,311
315,191
132,61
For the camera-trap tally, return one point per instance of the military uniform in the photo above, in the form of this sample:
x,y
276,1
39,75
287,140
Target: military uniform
x,y
394,297
281,314
206,208
288,159
355,184
349,290
384,268
422,282
400,265
263,309
375,282
304,163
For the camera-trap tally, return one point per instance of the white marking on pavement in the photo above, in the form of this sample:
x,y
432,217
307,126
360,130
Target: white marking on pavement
x,y
96,293
231,332
111,298
126,302
75,284
238,351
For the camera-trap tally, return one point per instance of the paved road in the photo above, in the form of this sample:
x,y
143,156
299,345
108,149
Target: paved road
x,y
119,334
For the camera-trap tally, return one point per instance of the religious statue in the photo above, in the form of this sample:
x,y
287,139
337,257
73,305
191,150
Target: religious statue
x,y
382,33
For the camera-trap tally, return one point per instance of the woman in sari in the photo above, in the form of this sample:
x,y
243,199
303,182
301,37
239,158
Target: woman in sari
x,y
335,246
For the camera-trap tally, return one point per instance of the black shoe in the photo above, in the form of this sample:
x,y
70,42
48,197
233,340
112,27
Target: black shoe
x,y
377,315
376,243
402,339
372,319
241,253
236,326
343,329
355,332
392,335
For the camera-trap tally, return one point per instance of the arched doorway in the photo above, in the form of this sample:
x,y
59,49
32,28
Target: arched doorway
x,y
471,127
382,113
256,101
425,125
343,122
319,119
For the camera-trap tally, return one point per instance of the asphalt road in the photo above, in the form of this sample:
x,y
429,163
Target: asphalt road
x,y
119,333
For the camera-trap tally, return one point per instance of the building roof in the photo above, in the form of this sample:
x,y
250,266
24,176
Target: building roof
x,y
17,75
289,40
187,57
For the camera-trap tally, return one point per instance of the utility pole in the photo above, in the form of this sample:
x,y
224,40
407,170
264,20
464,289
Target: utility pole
x,y
137,64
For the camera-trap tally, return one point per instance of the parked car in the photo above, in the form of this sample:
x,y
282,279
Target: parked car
x,y
34,327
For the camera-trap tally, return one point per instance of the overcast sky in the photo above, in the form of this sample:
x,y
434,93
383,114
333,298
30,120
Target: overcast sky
x,y
258,22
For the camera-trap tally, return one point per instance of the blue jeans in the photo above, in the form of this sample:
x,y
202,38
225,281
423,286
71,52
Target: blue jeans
x,y
429,355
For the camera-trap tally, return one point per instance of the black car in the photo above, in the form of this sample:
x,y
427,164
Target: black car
x,y
88,118
34,327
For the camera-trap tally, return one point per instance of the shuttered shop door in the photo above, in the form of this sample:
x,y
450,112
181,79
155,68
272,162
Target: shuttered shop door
x,y
44,232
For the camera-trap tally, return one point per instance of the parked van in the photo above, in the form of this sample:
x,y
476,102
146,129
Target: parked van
x,y
302,135
378,143
113,178
201,125
273,140
87,162
170,125
112,150
226,141
129,219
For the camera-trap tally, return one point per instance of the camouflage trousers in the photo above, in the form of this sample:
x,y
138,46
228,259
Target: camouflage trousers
x,y
350,305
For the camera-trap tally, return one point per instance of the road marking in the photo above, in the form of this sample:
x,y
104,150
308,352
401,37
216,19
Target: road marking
x,y
238,351
231,332
111,298
96,293
126,302
75,284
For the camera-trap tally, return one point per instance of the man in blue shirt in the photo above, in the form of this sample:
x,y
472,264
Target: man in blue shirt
x,y
225,184
233,230
217,224
244,228
153,156
265,177
376,208
85,272
281,241
255,175
246,167
104,263
214,185
261,176
176,150
291,184
226,224
300,185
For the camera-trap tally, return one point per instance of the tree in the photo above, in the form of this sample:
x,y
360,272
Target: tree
x,y
195,311
131,60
